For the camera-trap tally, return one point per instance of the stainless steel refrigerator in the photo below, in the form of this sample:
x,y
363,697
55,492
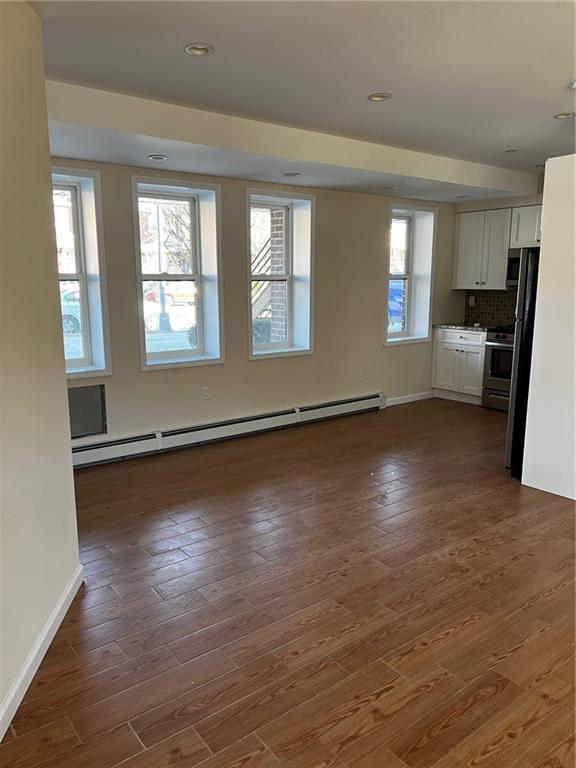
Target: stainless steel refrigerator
x,y
522,358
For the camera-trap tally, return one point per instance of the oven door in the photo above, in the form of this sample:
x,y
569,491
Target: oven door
x,y
498,366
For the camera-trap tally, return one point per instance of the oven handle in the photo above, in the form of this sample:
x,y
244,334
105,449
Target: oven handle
x,y
498,345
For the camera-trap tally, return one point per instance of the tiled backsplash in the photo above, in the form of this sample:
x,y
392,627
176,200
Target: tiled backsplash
x,y
491,307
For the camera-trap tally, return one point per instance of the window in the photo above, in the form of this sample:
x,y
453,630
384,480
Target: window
x,y
399,281
80,269
410,274
280,275
178,270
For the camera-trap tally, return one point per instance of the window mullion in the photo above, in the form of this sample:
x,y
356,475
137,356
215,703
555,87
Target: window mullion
x,y
170,276
271,278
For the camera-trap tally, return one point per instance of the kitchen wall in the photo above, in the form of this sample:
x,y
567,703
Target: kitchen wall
x,y
350,258
39,568
549,449
501,202
491,307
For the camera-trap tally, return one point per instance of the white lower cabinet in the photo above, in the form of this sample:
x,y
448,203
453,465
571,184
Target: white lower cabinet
x,y
447,367
471,370
459,367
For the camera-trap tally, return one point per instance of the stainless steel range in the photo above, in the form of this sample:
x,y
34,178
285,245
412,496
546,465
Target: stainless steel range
x,y
498,367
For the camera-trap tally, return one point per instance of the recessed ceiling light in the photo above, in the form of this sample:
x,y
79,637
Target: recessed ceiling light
x,y
564,115
379,96
158,158
199,49
508,151
291,174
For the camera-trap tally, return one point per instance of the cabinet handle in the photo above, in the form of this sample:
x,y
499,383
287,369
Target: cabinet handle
x,y
477,282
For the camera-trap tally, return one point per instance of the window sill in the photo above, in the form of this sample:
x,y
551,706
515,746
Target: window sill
x,y
281,352
407,340
175,362
87,373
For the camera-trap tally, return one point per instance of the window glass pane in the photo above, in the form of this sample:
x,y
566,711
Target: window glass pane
x,y
269,312
170,315
72,322
399,247
397,295
166,243
268,240
63,200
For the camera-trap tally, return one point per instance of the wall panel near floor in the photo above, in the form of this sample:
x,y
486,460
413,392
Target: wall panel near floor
x,y
39,567
350,274
550,447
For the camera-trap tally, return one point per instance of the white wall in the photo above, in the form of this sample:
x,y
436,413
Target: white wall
x,y
549,455
350,260
39,552
499,202
113,117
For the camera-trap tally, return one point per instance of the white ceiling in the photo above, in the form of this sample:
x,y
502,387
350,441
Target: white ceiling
x,y
470,79
101,145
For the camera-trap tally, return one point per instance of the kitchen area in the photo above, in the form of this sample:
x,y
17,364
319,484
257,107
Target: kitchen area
x,y
485,359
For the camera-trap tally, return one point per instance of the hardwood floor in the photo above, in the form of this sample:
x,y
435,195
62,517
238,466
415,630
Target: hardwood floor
x,y
369,592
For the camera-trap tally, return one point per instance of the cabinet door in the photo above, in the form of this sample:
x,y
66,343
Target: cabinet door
x,y
469,245
470,370
447,363
539,225
495,251
525,230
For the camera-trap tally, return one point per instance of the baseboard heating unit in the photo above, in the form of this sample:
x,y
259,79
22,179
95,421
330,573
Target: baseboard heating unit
x,y
152,442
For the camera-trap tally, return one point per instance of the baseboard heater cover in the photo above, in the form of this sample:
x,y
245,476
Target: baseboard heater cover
x,y
96,453
341,407
152,442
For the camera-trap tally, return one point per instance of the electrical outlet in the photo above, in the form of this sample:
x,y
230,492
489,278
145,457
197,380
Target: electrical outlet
x,y
362,370
205,393
471,301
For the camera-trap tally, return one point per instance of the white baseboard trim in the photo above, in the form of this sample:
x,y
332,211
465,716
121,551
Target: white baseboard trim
x,y
408,398
460,397
20,685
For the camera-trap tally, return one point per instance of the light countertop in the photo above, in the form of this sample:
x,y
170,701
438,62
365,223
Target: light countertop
x,y
461,327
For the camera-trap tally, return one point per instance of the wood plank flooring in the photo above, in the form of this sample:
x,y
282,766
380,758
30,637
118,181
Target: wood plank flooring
x,y
369,592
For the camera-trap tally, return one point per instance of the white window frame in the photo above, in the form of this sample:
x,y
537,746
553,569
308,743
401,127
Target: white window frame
x,y
409,336
406,275
79,275
285,277
170,189
292,346
91,277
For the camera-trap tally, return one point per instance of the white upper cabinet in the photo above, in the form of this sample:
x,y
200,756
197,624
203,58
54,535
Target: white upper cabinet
x,y
525,231
469,242
482,239
495,251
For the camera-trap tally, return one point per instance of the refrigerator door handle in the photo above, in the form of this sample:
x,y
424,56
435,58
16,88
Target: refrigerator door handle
x,y
521,284
513,387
